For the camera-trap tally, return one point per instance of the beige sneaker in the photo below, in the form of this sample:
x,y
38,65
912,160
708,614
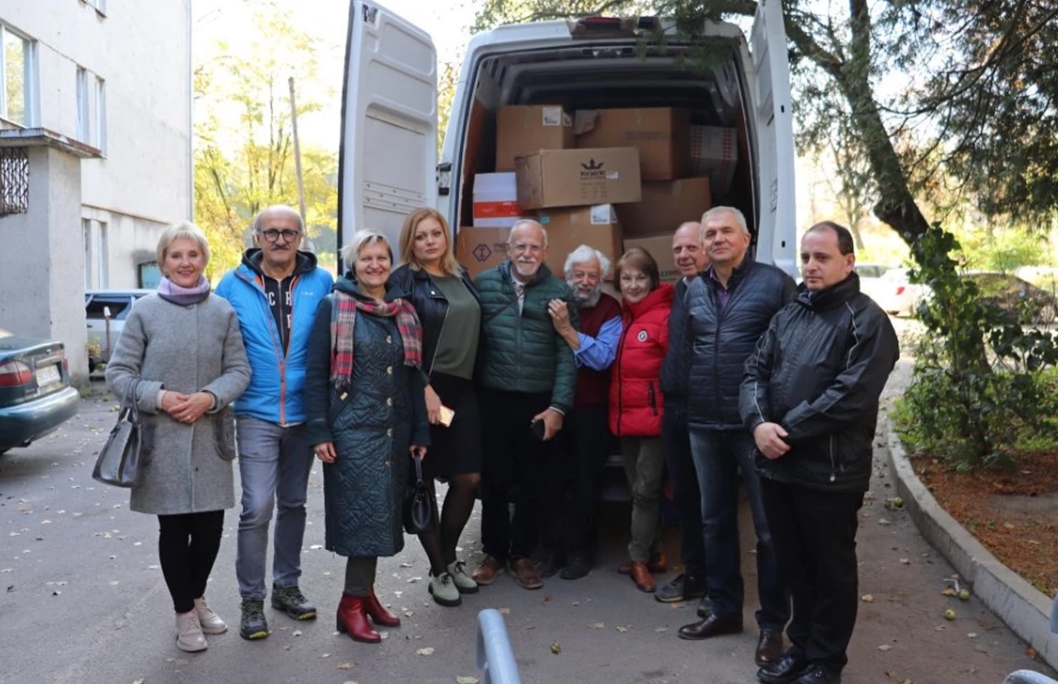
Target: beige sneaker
x,y
189,635
210,621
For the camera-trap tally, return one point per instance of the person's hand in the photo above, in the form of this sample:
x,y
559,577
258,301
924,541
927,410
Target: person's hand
x,y
191,407
416,450
769,438
171,399
325,452
433,406
559,315
552,422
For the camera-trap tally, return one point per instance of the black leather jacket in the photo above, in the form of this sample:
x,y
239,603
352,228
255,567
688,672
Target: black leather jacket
x,y
818,371
430,305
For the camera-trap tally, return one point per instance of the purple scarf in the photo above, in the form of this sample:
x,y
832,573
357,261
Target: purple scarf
x,y
183,296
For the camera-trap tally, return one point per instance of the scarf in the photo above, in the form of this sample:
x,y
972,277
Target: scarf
x,y
343,318
183,296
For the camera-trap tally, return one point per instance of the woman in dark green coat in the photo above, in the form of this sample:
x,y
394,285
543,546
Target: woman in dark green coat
x,y
364,398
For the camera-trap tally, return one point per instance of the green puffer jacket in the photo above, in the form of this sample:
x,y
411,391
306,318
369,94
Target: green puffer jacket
x,y
523,353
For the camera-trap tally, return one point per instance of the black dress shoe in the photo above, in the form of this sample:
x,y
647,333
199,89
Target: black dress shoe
x,y
577,567
550,565
712,626
818,674
704,607
785,670
769,647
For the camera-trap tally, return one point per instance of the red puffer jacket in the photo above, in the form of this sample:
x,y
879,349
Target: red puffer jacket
x,y
635,397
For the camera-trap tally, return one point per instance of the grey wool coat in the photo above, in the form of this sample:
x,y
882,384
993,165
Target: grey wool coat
x,y
186,468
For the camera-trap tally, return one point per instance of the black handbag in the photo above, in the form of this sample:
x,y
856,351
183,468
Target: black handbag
x,y
420,504
119,460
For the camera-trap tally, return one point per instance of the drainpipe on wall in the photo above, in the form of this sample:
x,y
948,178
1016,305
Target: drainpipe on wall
x,y
190,112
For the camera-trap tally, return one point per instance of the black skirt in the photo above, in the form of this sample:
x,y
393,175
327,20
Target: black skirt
x,y
456,449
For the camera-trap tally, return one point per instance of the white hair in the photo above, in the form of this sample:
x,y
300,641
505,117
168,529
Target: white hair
x,y
740,219
526,222
584,254
358,241
277,210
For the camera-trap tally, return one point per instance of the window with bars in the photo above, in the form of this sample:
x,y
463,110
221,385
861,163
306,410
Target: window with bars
x,y
14,181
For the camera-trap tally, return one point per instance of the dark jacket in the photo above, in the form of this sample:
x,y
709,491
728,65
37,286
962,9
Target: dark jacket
x,y
522,352
430,304
723,339
675,369
818,371
372,427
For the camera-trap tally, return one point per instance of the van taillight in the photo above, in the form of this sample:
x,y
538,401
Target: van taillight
x,y
15,374
900,289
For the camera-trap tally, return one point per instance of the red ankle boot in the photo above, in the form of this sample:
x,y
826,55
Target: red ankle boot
x,y
378,613
352,620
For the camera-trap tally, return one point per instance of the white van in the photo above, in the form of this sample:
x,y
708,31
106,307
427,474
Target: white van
x,y
388,160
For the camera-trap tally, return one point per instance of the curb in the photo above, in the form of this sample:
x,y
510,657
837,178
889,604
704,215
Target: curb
x,y
1024,609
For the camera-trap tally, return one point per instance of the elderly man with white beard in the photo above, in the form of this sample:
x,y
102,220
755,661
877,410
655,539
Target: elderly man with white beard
x,y
527,373
585,443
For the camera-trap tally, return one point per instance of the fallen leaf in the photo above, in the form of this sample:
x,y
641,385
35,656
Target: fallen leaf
x,y
972,635
883,521
467,680
425,651
884,647
659,630
1030,652
622,628
598,625
950,592
138,681
867,598
505,611
297,632
905,561
316,547
413,580
345,666
556,648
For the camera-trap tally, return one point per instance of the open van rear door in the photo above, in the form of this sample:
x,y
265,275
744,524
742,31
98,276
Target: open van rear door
x,y
775,148
388,155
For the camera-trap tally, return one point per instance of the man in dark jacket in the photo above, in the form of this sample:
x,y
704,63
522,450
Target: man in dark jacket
x,y
527,376
810,396
688,254
729,308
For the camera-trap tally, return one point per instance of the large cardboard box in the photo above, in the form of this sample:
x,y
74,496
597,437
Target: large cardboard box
x,y
568,228
573,178
659,247
496,200
479,249
665,205
714,153
523,129
661,134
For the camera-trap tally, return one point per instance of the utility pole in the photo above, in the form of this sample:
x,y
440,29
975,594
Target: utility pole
x,y
297,154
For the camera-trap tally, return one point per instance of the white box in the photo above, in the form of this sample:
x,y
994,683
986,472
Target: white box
x,y
496,200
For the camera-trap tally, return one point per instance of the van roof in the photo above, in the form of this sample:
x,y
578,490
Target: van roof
x,y
540,32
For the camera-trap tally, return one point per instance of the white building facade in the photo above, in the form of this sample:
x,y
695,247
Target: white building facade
x,y
95,154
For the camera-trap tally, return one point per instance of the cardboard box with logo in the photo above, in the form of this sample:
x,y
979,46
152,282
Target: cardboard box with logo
x,y
523,129
659,247
575,178
568,228
479,249
714,153
665,205
661,135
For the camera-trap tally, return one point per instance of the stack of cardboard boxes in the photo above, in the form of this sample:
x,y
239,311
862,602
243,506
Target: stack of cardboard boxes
x,y
610,178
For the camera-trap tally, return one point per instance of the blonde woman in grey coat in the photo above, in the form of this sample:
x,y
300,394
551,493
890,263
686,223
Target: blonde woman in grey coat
x,y
180,357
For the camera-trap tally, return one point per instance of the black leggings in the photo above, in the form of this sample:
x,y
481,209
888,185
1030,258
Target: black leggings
x,y
187,546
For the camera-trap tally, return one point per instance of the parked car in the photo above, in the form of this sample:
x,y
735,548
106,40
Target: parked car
x,y
1026,302
35,392
99,305
872,280
897,295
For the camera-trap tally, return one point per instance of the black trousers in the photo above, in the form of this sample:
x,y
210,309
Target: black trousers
x,y
684,478
514,462
814,537
187,547
575,477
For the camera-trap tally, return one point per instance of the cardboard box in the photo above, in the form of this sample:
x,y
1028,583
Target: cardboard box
x,y
522,130
661,135
568,228
665,205
479,249
496,200
576,178
714,153
659,247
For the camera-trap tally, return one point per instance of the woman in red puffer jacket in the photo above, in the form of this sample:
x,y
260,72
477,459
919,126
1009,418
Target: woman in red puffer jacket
x,y
636,402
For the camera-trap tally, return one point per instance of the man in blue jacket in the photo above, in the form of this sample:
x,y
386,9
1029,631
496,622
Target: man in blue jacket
x,y
274,293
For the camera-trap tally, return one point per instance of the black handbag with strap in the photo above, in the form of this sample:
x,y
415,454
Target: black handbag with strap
x,y
119,460
420,504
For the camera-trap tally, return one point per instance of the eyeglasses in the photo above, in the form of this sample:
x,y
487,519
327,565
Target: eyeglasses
x,y
273,235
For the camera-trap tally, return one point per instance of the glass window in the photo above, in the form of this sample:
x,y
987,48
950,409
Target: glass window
x,y
83,130
17,77
101,115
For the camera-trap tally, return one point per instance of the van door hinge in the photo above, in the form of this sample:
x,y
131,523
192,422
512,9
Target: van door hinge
x,y
444,178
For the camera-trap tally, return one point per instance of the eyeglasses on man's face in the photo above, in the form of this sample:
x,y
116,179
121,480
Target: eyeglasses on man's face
x,y
288,235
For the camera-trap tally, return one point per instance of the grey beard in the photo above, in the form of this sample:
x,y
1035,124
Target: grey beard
x,y
590,301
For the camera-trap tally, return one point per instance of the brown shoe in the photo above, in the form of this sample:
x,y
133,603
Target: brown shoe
x,y
487,570
658,564
525,574
642,577
769,647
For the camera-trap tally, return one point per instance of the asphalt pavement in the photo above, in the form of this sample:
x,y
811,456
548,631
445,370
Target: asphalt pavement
x,y
84,602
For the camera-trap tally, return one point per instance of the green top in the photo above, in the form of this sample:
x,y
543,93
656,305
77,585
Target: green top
x,y
457,346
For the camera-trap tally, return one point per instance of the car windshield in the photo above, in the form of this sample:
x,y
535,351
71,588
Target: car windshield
x,y
96,307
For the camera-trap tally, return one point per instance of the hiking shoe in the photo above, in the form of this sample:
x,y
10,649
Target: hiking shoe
x,y
444,590
464,583
253,625
291,601
681,588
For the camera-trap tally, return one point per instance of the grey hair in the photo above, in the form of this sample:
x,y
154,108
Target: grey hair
x,y
526,222
277,209
360,239
696,224
181,231
584,254
740,219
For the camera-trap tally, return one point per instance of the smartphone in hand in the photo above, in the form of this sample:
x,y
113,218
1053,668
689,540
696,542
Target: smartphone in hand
x,y
538,429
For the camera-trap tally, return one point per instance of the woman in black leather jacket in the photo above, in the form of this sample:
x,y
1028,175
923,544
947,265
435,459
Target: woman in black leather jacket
x,y
448,309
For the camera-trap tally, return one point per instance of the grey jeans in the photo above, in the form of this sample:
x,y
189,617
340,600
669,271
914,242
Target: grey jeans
x,y
644,462
274,465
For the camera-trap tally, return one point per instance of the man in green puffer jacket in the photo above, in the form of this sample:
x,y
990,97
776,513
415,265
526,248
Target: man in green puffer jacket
x,y
526,374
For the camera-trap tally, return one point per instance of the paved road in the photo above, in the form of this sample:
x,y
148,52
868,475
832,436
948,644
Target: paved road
x,y
85,603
